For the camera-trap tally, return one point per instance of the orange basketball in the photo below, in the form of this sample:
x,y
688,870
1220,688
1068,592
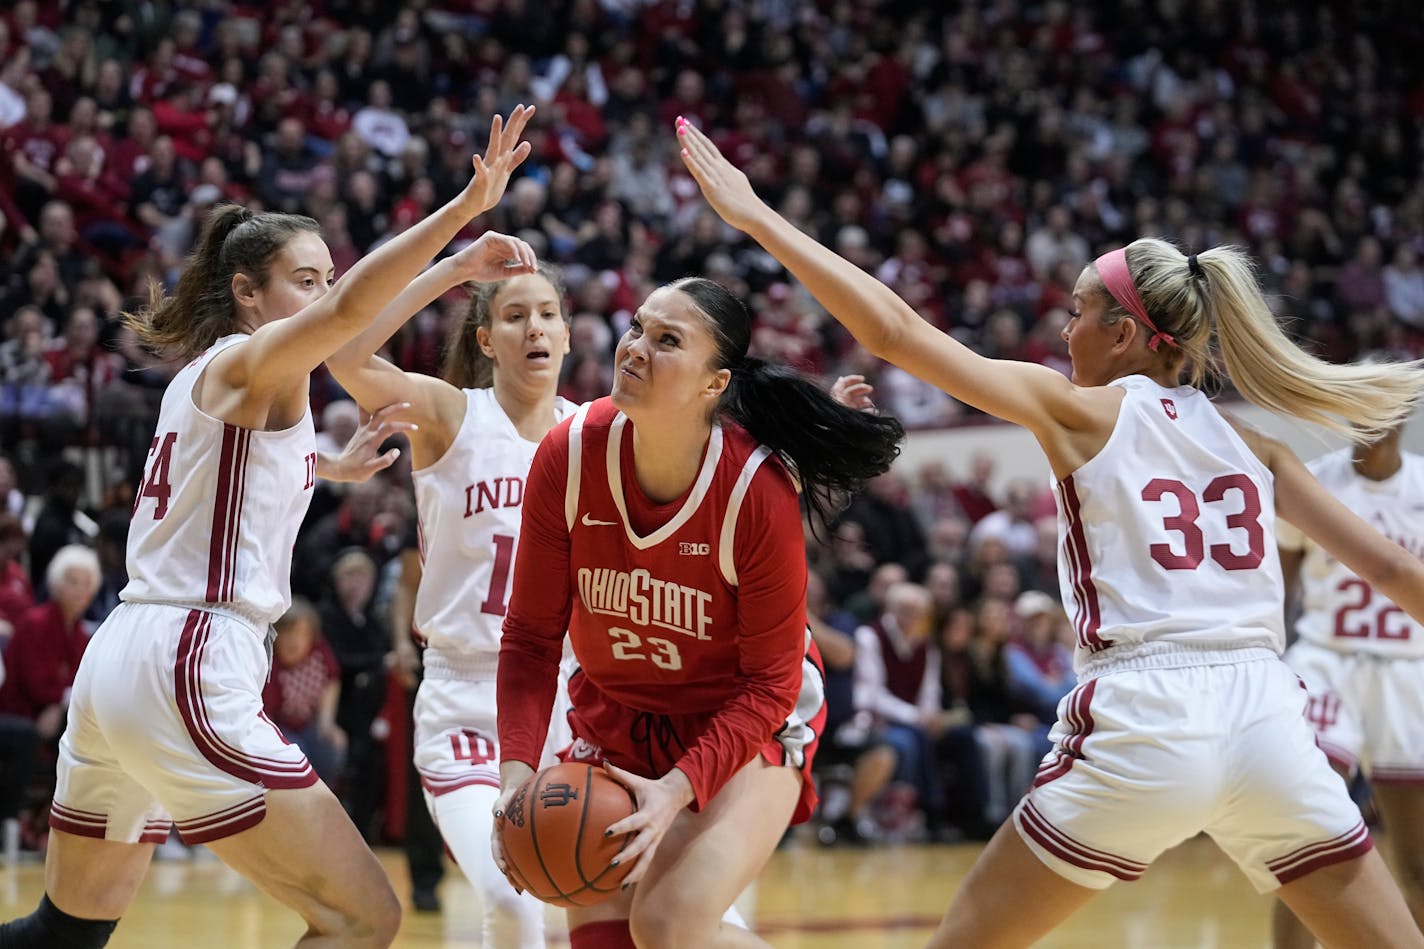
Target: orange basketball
x,y
552,833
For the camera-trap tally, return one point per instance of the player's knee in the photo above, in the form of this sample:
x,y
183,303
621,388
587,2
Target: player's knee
x,y
374,921
671,923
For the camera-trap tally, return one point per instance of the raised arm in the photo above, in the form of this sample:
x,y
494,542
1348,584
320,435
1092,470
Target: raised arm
x,y
435,406
1031,395
281,354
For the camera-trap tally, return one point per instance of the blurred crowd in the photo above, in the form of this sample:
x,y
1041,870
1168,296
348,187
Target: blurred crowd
x,y
974,154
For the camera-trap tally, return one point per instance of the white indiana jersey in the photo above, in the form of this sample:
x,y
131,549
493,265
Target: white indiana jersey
x,y
1168,535
469,502
218,512
1339,610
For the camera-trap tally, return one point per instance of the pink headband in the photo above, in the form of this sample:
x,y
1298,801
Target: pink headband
x,y
1112,268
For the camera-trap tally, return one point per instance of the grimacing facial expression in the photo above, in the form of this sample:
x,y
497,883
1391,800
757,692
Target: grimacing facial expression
x,y
664,362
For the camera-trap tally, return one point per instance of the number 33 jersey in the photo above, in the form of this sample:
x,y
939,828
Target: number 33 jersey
x,y
1339,610
1167,535
219,507
470,501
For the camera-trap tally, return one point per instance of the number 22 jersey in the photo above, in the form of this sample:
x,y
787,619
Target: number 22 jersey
x,y
1167,535
1340,611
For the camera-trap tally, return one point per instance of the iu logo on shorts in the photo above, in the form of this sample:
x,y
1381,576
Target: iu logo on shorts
x,y
1322,711
1170,408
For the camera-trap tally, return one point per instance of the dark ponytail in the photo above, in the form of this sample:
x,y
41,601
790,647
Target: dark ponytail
x,y
465,365
201,309
832,449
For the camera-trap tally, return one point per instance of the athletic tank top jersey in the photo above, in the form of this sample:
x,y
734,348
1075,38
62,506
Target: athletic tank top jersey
x,y
1341,611
1167,536
219,508
655,617
470,501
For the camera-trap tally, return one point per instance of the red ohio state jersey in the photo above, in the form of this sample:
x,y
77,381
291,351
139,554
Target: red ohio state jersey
x,y
696,606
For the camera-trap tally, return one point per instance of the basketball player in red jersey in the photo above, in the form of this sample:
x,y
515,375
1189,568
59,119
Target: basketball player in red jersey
x,y
662,529
1185,719
165,720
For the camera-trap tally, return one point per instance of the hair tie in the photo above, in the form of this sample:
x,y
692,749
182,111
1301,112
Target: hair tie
x,y
1194,267
1112,268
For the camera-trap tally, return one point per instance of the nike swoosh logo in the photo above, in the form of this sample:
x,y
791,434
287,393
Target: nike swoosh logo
x,y
590,522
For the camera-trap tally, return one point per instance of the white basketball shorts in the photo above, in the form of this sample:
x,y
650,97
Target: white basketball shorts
x,y
166,725
1145,758
1365,709
457,736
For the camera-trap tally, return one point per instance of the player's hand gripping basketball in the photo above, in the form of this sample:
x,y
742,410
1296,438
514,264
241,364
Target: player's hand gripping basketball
x,y
511,775
724,185
659,803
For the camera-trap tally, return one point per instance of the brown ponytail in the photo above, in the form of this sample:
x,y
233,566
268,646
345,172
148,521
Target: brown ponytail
x,y
201,309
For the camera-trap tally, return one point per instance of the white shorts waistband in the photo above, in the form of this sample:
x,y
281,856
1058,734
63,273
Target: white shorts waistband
x,y
1168,655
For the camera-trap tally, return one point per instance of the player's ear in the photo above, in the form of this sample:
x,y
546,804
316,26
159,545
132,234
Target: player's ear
x,y
720,380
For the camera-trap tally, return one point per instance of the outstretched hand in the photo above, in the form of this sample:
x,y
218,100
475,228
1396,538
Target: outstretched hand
x,y
853,392
723,184
494,257
362,457
504,154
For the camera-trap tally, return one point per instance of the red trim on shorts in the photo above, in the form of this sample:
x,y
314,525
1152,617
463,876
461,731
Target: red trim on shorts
x,y
1087,618
223,823
1074,852
1353,843
187,677
78,823
1396,775
155,832
1079,717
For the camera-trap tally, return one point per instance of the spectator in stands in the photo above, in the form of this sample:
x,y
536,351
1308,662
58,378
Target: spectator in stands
x,y
1038,667
16,593
59,523
44,652
302,693
360,643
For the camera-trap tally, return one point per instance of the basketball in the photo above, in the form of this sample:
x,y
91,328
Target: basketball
x,y
552,833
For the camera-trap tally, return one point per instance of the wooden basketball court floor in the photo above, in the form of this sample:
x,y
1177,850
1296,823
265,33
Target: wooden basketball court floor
x,y
807,898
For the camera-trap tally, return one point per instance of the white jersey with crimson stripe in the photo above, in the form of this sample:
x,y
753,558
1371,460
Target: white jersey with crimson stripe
x,y
1340,611
1167,535
219,508
470,501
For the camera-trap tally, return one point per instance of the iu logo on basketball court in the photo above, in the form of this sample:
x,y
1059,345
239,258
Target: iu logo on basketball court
x,y
1170,408
557,795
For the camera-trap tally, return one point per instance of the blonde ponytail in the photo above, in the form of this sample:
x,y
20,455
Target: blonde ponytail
x,y
1219,319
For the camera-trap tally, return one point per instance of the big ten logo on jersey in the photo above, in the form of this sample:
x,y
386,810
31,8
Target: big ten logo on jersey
x,y
157,482
495,493
310,481
688,549
469,745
